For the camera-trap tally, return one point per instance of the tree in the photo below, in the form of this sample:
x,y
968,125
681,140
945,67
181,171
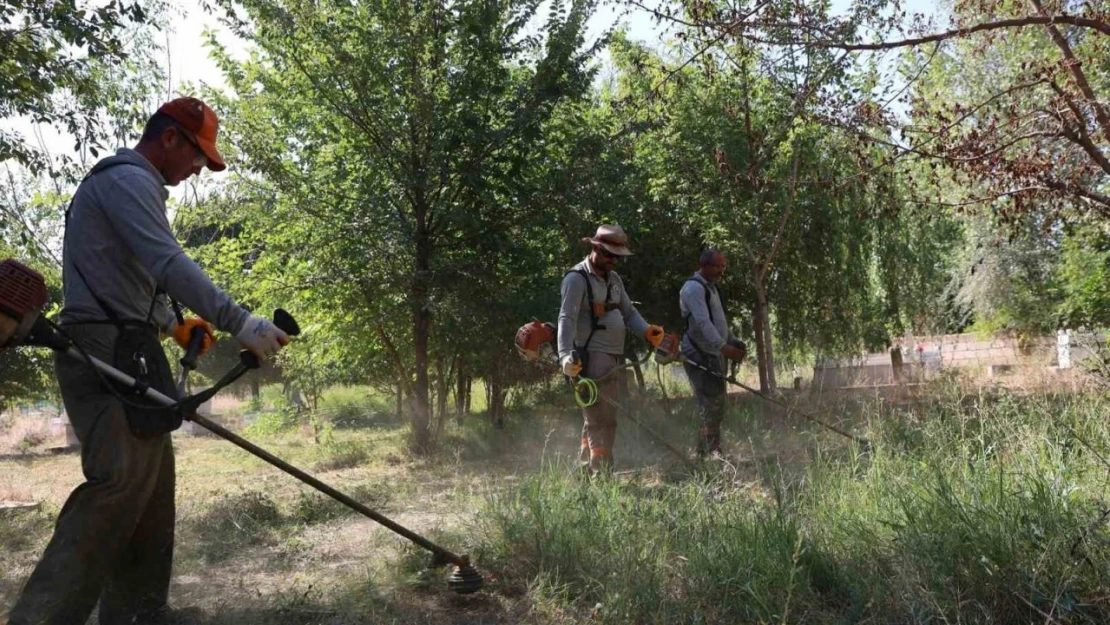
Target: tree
x,y
53,56
1084,277
734,142
1027,121
1006,277
388,134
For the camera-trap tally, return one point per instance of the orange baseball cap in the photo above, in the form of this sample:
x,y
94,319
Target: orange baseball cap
x,y
197,118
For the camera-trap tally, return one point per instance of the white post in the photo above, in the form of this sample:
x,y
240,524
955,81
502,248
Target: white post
x,y
1063,349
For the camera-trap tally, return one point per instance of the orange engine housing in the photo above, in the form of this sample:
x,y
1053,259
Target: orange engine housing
x,y
535,341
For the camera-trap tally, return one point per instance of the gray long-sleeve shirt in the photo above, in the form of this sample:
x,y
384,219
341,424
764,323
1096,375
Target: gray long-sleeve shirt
x,y
710,335
119,236
574,313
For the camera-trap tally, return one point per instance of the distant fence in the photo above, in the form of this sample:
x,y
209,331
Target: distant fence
x,y
916,358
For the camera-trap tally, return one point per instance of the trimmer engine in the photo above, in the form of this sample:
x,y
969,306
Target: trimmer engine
x,y
668,349
22,297
535,342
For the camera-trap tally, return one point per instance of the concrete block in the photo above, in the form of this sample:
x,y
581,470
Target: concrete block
x,y
60,426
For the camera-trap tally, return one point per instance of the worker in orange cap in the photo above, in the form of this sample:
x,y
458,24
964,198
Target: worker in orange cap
x,y
113,541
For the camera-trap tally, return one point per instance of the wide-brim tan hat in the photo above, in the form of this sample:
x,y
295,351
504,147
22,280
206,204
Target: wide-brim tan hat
x,y
612,238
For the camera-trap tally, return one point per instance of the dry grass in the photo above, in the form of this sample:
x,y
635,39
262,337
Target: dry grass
x,y
21,434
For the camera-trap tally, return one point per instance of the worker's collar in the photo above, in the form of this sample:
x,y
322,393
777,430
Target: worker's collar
x,y
703,279
590,268
137,158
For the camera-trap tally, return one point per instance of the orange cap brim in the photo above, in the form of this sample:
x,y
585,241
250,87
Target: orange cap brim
x,y
215,161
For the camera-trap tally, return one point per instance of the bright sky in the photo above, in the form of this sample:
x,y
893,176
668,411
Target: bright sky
x,y
189,63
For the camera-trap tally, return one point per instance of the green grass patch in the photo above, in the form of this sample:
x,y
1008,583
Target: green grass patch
x,y
973,508
313,508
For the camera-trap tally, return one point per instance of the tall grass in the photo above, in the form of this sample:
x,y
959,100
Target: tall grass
x,y
972,508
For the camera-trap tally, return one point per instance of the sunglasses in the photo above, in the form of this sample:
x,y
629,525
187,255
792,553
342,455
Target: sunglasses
x,y
200,160
606,253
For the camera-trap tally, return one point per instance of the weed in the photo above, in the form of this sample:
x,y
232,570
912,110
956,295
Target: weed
x,y
337,455
973,507
312,507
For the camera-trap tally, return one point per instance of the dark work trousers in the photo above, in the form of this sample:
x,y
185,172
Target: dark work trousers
x,y
113,540
710,391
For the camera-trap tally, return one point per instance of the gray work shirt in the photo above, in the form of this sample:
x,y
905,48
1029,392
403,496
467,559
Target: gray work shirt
x,y
574,313
709,335
118,234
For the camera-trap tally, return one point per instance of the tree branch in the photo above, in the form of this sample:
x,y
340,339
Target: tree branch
x,y
786,213
1076,69
398,364
1079,135
1016,22
18,216
981,200
1067,187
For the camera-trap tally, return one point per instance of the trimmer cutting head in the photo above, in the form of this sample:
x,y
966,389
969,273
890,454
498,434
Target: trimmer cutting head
x,y
465,579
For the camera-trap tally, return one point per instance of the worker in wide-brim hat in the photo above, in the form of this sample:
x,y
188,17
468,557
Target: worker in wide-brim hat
x,y
593,315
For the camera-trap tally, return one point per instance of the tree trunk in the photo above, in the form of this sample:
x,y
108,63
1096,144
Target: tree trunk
x,y
496,395
460,391
768,339
764,349
469,394
400,400
421,327
441,397
256,389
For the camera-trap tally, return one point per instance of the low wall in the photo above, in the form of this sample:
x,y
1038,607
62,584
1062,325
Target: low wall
x,y
924,356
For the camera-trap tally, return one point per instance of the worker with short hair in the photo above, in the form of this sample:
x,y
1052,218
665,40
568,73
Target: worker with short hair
x,y
708,341
113,541
593,316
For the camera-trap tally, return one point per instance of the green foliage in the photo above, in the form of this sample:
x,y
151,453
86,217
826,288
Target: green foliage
x,y
312,507
733,156
272,422
391,141
57,63
1007,282
1084,275
336,455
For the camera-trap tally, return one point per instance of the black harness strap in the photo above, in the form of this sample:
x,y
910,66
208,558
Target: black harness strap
x,y
595,320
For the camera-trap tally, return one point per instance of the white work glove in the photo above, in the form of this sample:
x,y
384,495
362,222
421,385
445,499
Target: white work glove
x,y
571,367
261,337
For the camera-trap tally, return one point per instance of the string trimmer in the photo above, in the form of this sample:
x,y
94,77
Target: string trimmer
x,y
731,379
535,342
22,297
